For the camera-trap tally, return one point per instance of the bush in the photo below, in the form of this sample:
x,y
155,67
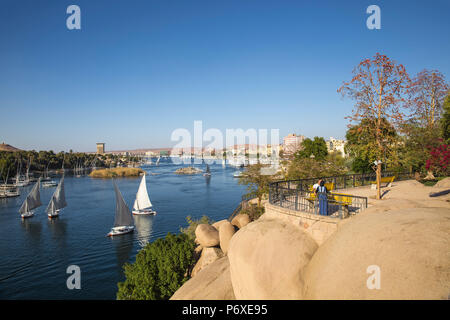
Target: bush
x,y
116,172
161,268
253,211
190,230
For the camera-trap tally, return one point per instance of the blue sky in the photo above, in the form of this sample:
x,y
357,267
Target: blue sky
x,y
137,70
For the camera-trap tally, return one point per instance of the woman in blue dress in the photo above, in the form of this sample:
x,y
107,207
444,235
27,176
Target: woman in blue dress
x,y
321,192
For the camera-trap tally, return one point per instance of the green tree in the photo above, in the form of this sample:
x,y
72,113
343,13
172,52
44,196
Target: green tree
x,y
361,144
303,168
445,120
317,148
257,181
160,269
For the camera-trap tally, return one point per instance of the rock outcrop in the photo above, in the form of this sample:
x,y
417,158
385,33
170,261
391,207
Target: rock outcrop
x,y
444,183
226,232
208,256
410,247
188,170
267,259
211,283
241,220
219,223
206,235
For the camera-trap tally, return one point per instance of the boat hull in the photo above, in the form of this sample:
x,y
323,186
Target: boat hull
x,y
53,215
144,212
120,231
27,215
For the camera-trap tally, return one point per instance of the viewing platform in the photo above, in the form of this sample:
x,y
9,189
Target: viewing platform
x,y
296,202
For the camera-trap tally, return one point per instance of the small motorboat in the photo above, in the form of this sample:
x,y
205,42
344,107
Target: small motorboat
x,y
237,174
117,231
49,184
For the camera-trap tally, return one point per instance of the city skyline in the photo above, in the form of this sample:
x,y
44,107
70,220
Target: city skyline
x,y
136,72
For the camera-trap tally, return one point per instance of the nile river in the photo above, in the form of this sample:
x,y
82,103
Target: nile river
x,y
36,252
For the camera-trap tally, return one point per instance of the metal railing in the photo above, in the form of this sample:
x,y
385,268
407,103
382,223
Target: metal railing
x,y
296,195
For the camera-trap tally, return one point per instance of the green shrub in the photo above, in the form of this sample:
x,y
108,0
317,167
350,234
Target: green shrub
x,y
190,230
253,211
160,269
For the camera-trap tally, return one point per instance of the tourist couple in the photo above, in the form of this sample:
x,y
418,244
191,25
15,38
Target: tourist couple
x,y
321,191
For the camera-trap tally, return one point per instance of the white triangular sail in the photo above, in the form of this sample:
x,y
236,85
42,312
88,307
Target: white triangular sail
x,y
32,201
142,200
123,215
58,200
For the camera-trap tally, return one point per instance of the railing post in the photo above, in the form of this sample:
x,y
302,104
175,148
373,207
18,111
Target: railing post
x,y
281,200
296,200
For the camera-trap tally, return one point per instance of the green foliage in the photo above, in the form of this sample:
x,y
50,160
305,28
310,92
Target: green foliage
x,y
40,161
417,144
362,147
317,148
253,211
302,168
445,120
190,229
257,182
160,269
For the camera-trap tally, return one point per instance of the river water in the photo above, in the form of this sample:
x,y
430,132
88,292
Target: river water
x,y
35,253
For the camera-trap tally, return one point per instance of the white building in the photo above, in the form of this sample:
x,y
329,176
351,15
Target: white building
x,y
336,145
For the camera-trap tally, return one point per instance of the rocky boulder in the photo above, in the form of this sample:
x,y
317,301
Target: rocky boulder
x,y
267,259
241,220
219,223
208,256
206,235
226,231
212,283
405,249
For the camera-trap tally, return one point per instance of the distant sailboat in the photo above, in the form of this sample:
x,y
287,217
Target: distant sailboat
x,y
32,201
208,171
123,221
58,200
142,204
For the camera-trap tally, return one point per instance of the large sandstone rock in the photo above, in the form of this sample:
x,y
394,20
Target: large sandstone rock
x,y
241,220
208,256
212,283
267,258
226,231
410,247
219,223
444,183
206,235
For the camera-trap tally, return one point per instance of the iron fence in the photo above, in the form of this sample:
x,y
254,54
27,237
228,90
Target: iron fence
x,y
296,194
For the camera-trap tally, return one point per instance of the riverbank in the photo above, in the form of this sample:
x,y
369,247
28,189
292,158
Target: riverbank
x,y
116,173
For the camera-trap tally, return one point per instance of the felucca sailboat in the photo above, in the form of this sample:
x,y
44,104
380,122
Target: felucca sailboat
x,y
32,201
58,200
142,204
123,221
